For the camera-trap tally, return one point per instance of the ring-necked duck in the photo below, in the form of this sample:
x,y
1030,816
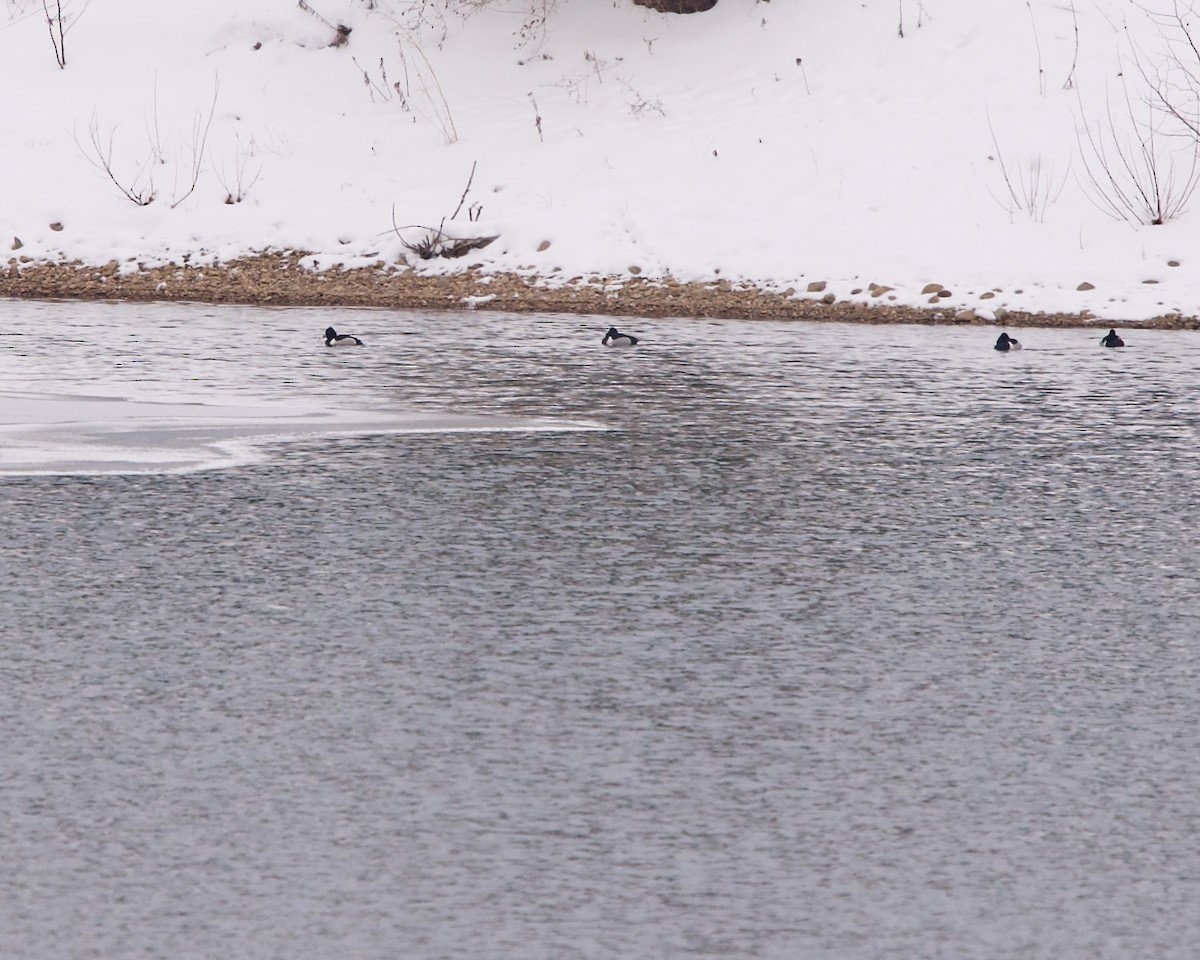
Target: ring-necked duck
x,y
1005,342
1111,339
614,338
335,339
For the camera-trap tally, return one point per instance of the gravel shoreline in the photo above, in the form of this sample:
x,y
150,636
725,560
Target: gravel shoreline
x,y
284,279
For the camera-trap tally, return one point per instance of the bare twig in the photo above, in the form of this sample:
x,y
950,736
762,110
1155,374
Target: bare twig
x,y
466,190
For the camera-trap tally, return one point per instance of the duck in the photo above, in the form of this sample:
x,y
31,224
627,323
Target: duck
x,y
335,339
615,338
1111,339
1004,343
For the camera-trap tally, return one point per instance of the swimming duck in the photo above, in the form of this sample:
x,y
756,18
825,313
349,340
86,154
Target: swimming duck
x,y
335,339
1111,339
1004,342
614,338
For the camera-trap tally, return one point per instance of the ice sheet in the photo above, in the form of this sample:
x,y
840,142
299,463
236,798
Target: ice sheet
x,y
62,434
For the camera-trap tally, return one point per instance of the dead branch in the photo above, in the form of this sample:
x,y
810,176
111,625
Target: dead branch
x,y
435,243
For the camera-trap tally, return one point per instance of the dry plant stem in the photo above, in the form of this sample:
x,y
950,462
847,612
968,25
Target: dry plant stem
x,y
537,119
199,142
307,9
372,87
1070,81
1038,45
439,114
153,135
60,41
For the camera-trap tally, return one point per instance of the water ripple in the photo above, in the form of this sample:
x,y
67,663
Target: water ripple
x,y
838,642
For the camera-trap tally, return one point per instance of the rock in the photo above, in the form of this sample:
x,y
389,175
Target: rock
x,y
987,296
677,6
56,227
1083,287
943,292
828,299
879,289
1149,281
1000,313
966,316
1172,263
817,286
17,244
635,270
544,245
931,288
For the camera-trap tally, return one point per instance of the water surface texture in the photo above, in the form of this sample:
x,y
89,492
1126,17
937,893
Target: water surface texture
x,y
838,642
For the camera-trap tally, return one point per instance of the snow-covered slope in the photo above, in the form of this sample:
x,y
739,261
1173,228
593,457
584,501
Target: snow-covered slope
x,y
777,142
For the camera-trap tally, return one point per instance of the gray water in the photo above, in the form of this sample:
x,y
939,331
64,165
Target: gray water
x,y
838,642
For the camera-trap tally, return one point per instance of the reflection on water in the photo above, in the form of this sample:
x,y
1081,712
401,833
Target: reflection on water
x,y
841,642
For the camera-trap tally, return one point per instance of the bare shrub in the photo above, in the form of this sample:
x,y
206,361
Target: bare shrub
x,y
137,187
239,179
137,181
1134,171
1029,188
1174,79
